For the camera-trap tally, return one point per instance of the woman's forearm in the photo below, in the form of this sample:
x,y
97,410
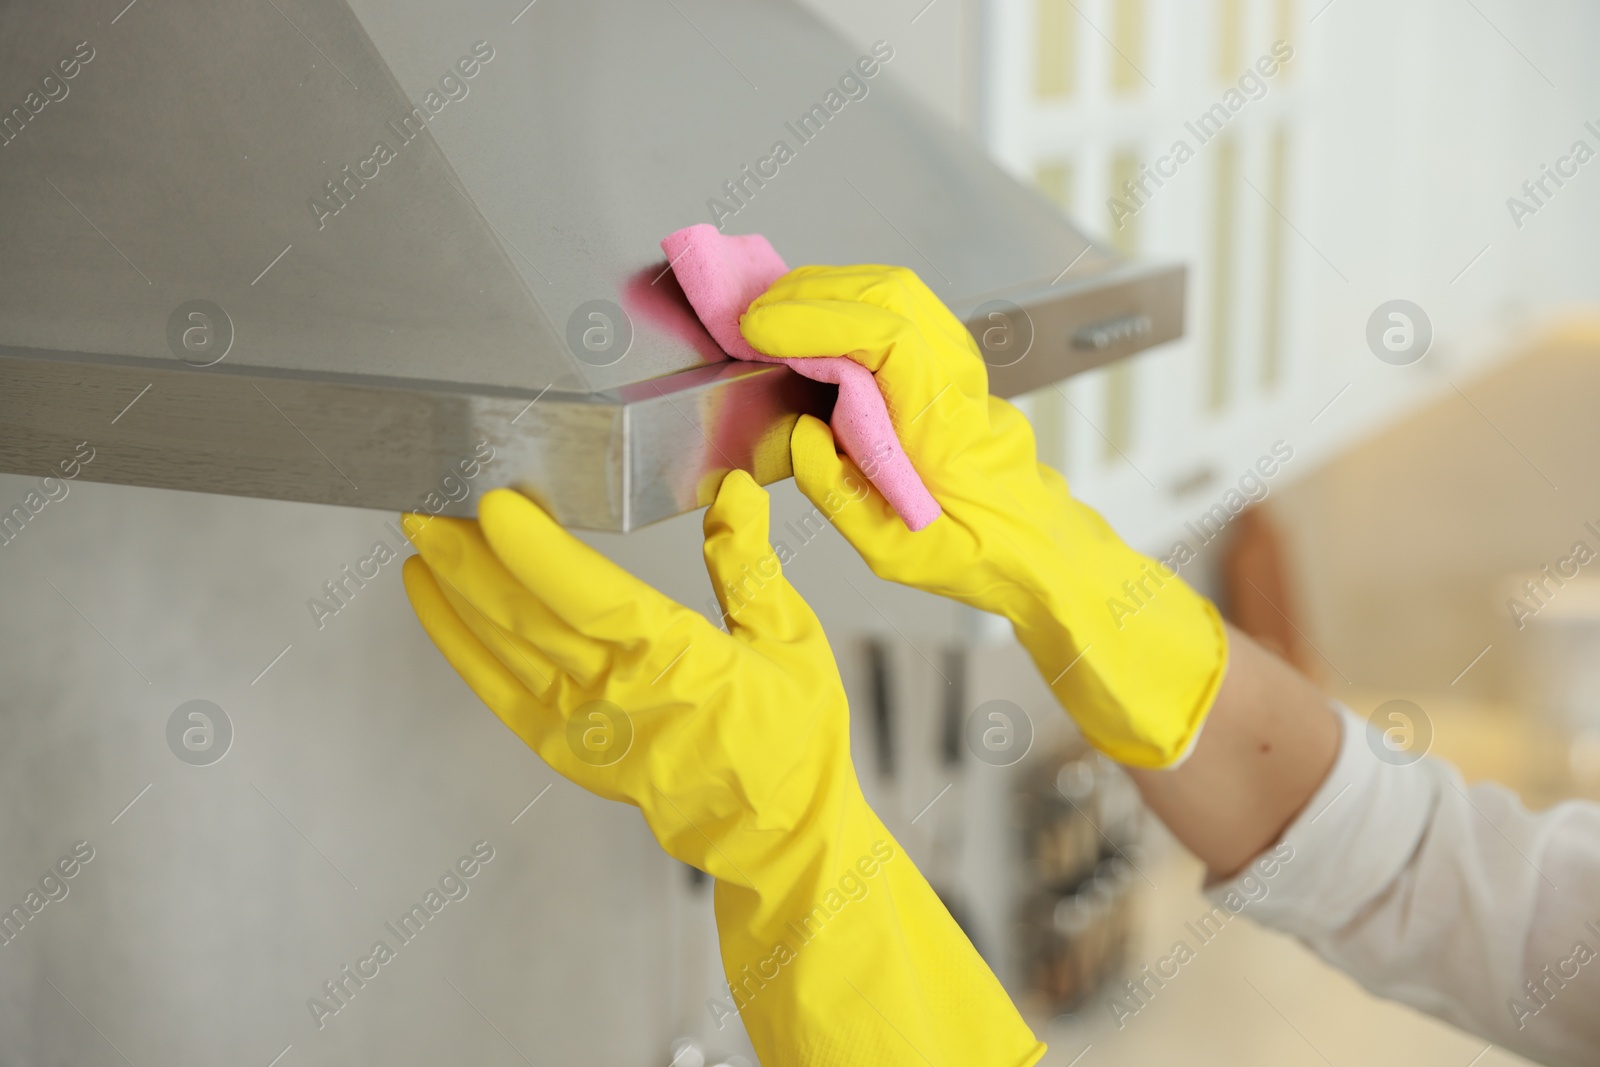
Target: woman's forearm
x,y
1267,745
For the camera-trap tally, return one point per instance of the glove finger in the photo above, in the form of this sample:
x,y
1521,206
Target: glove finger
x,y
462,561
542,725
860,513
895,290
936,316
498,687
911,376
584,589
758,603
833,482
520,656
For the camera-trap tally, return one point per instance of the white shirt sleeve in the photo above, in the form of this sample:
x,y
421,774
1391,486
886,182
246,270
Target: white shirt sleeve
x,y
1456,901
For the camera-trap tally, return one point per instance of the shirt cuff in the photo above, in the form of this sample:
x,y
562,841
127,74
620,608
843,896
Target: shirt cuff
x,y
1349,843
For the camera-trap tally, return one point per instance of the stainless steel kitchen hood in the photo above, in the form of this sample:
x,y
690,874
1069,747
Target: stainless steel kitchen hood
x,y
340,251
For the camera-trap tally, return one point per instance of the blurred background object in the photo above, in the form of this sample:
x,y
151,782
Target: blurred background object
x,y
1372,510
1258,594
1443,561
1081,818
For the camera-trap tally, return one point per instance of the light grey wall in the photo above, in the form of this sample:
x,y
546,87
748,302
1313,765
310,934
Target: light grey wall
x,y
360,768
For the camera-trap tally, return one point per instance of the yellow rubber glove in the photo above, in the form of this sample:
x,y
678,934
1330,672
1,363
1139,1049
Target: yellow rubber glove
x,y
1129,650
736,748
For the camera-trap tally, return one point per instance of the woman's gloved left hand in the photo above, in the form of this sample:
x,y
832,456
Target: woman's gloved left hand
x,y
735,747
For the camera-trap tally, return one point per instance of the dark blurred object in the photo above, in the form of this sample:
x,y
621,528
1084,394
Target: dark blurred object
x,y
1259,595
882,692
955,705
1080,941
1081,818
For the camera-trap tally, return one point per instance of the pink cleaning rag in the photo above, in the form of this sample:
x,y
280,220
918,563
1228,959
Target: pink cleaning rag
x,y
721,275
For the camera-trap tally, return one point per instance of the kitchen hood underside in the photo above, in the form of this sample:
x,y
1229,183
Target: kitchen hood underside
x,y
340,252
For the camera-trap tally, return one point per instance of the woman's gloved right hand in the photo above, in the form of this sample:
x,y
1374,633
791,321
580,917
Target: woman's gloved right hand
x,y
1130,651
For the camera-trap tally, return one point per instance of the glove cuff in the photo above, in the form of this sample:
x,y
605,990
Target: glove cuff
x,y
852,958
1129,649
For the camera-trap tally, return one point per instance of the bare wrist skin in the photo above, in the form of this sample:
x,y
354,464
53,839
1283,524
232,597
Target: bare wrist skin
x,y
1269,742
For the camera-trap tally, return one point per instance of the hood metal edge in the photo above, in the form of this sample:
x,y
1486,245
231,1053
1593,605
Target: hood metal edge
x,y
614,460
